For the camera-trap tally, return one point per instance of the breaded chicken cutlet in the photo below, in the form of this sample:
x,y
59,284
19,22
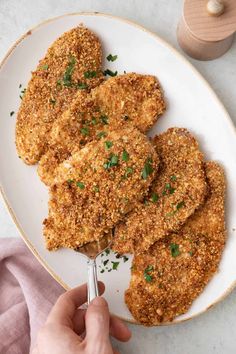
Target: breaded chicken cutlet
x,y
118,102
168,278
178,190
97,186
72,63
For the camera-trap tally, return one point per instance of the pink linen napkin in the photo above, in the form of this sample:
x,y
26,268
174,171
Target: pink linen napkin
x,y
27,293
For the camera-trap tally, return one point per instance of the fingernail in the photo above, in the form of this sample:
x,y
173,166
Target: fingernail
x,y
99,301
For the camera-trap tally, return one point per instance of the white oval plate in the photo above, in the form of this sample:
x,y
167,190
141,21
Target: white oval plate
x,y
191,104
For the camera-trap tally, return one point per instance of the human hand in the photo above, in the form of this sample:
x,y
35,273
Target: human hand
x,y
69,330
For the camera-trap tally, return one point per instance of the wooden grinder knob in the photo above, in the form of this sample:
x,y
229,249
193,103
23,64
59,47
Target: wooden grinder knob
x,y
207,28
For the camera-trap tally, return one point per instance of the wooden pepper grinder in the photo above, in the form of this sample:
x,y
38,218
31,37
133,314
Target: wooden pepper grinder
x,y
207,27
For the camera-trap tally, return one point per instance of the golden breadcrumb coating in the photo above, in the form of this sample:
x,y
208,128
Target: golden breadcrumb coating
x,y
97,186
179,189
133,97
168,278
72,63
120,101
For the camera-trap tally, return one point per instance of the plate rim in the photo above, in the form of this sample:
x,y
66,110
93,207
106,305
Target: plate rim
x,y
186,62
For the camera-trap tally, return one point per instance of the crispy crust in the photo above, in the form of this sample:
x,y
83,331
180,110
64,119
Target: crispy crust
x,y
181,170
123,100
77,216
132,96
176,281
47,97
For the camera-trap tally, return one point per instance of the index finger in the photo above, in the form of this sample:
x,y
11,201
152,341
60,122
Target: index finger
x,y
66,305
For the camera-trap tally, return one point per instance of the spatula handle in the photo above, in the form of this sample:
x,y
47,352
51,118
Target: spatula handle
x,y
92,280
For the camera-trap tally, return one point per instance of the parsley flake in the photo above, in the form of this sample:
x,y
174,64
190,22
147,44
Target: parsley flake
x,y
108,144
80,185
168,188
69,181
11,113
115,265
111,57
112,161
129,171
107,251
101,135
125,258
148,169
125,156
110,73
154,197
104,119
81,86
174,249
180,205
84,131
96,189
69,71
147,275
90,74
173,178
44,67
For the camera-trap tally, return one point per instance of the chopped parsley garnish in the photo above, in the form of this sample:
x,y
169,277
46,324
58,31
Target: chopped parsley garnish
x,y
101,135
80,185
105,262
191,253
125,156
11,113
81,86
174,249
111,57
94,121
108,144
96,189
84,131
129,171
115,265
70,181
107,251
20,85
102,271
148,169
180,205
44,67
104,119
52,101
173,178
90,74
126,117
111,162
168,188
154,197
147,275
22,93
68,73
125,258
110,73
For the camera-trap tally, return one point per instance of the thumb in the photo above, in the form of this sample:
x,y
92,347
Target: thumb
x,y
97,323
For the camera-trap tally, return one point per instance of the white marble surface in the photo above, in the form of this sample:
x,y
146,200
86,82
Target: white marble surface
x,y
214,331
